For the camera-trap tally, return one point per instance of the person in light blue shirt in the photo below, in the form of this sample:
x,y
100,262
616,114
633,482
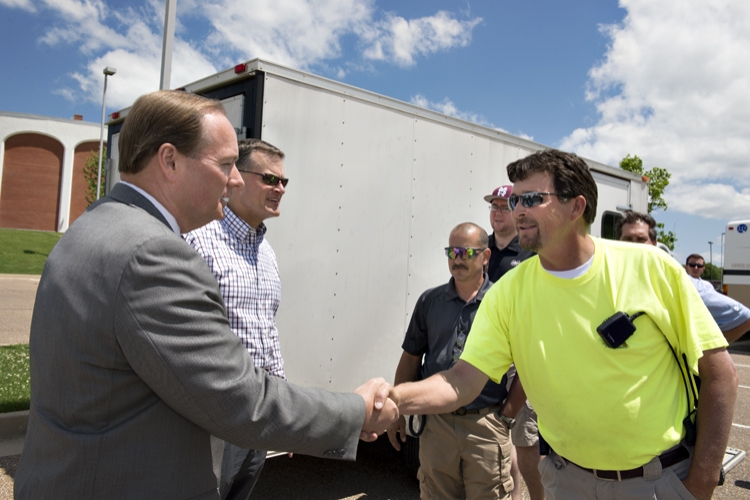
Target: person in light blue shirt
x,y
732,317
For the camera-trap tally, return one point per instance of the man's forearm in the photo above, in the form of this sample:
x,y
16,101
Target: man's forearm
x,y
441,393
407,369
515,400
737,332
714,421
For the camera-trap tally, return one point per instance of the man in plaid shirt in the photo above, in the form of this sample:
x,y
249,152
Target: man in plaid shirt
x,y
244,265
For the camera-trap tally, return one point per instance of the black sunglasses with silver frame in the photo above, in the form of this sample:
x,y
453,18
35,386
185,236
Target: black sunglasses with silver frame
x,y
529,200
270,179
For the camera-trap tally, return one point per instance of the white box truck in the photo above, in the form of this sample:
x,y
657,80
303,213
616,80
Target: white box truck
x,y
736,276
376,186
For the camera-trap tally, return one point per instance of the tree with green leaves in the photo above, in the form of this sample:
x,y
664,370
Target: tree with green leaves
x,y
711,272
658,180
91,172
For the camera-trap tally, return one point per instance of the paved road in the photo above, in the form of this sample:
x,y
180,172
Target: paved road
x,y
377,474
17,294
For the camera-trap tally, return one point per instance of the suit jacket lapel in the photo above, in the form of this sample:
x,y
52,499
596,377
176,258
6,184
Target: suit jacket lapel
x,y
128,195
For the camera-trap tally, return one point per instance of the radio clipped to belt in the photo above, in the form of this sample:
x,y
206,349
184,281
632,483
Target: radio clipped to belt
x,y
419,429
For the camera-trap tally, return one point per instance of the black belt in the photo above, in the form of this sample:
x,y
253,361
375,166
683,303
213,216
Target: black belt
x,y
481,411
667,459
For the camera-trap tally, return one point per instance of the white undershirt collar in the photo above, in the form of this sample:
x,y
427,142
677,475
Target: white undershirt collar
x,y
573,273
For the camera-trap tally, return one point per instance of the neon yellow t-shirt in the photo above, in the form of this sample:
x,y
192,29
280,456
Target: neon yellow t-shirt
x,y
601,408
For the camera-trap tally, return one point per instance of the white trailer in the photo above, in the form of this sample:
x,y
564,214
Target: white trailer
x,y
736,276
376,186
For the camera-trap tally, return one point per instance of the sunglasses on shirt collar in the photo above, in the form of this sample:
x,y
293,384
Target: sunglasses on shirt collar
x,y
269,179
463,252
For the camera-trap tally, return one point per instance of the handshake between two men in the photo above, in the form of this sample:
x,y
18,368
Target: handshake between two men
x,y
381,411
443,392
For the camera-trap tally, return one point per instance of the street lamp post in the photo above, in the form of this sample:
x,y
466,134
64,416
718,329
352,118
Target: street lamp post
x,y
721,275
711,257
107,72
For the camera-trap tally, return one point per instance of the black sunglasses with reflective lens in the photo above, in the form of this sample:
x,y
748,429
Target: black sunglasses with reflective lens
x,y
695,264
528,200
270,179
463,252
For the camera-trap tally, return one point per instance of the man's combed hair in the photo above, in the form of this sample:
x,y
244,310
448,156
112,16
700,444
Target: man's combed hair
x,y
570,174
165,116
694,256
631,217
249,146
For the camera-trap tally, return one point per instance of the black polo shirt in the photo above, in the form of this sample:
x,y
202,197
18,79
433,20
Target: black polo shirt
x,y
440,317
503,260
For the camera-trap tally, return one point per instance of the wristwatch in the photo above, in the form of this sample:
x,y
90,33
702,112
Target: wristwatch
x,y
510,422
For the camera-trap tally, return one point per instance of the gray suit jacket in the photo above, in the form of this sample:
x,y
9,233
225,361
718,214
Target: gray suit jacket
x,y
133,367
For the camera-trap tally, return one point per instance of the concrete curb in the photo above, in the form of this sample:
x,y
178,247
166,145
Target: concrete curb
x,y
13,432
29,277
13,425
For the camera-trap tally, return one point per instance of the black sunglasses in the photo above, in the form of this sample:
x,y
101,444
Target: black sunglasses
x,y
693,264
528,200
270,179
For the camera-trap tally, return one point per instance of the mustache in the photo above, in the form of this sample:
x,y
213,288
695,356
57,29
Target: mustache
x,y
459,266
523,220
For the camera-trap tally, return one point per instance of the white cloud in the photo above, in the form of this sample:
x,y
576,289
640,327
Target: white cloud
x,y
447,107
134,48
219,33
298,33
672,89
723,201
400,40
19,4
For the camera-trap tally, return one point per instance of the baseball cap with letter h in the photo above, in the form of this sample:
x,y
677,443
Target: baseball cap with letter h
x,y
503,192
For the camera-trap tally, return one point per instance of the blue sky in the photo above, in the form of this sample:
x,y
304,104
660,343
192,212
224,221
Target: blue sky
x,y
667,80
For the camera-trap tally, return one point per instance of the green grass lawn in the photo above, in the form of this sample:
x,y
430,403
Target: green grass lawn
x,y
24,252
15,388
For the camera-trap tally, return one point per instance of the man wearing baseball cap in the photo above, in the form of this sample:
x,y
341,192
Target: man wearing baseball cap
x,y
507,254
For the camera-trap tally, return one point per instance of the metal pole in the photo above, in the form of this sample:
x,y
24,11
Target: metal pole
x,y
711,257
166,47
107,72
722,261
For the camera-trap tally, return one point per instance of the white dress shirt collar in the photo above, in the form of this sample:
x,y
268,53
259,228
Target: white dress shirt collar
x,y
170,218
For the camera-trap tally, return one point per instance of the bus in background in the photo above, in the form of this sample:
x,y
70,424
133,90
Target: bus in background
x,y
736,277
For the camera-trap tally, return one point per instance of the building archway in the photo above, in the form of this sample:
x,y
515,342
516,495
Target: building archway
x,y
78,201
32,176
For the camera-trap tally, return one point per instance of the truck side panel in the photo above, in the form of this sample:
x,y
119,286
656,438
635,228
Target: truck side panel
x,y
736,276
343,239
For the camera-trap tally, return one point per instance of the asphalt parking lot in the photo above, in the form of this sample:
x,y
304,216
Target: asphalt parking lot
x,y
377,473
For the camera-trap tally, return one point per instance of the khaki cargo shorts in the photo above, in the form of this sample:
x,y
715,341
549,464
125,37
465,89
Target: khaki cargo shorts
x,y
525,432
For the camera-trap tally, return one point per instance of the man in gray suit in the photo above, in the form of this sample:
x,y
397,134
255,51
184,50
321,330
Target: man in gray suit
x,y
133,363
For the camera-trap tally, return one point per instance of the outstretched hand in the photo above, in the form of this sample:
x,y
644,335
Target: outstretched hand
x,y
381,412
397,428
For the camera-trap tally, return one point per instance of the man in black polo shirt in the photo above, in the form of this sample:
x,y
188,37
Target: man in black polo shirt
x,y
451,445
506,252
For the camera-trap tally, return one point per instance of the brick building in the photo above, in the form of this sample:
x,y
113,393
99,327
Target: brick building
x,y
41,170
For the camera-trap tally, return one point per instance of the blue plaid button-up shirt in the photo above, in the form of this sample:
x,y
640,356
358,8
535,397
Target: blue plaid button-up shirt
x,y
244,265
